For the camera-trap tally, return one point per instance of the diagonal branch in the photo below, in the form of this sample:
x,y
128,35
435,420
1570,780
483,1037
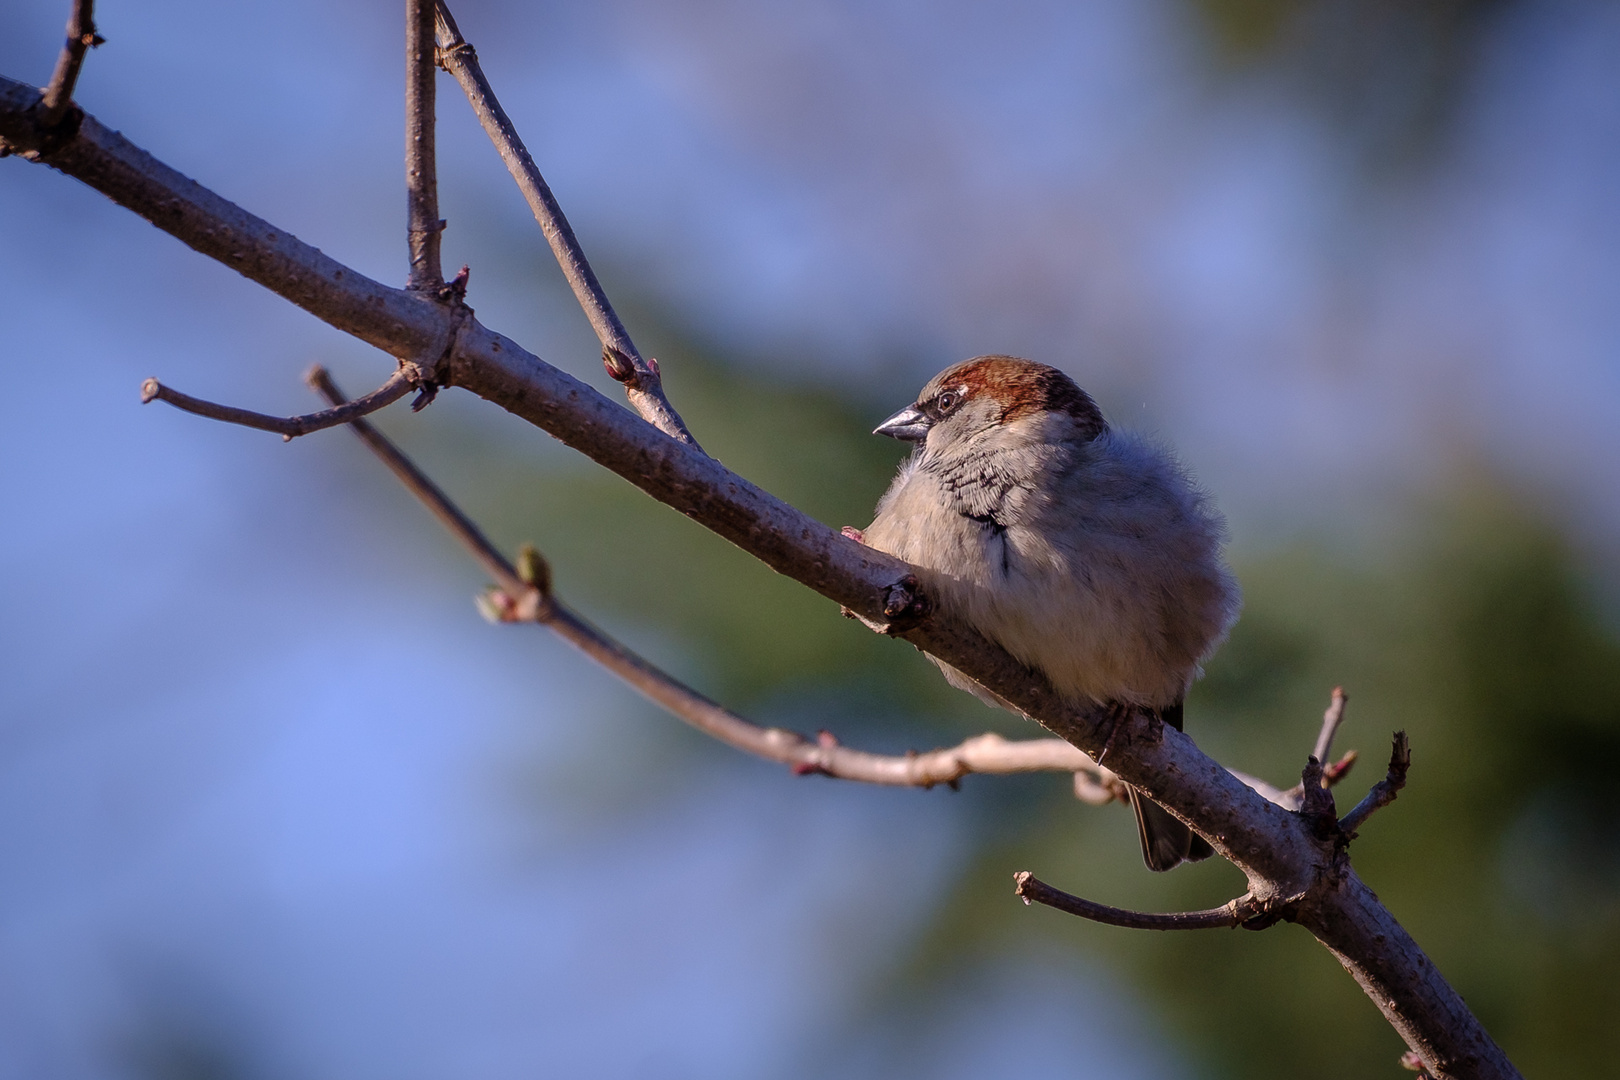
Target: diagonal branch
x,y
81,35
1280,856
421,167
643,382
1231,914
1383,793
288,427
524,595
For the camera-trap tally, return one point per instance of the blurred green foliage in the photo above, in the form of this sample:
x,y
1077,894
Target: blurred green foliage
x,y
1474,632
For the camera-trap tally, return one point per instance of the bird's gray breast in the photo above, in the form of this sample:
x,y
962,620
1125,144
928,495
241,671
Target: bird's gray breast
x,y
995,489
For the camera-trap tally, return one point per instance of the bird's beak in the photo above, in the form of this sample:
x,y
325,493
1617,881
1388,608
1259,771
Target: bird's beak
x,y
907,425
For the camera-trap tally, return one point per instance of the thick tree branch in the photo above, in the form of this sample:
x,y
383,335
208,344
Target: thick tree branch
x,y
1279,853
643,382
1383,792
81,35
288,427
421,165
524,595
1231,914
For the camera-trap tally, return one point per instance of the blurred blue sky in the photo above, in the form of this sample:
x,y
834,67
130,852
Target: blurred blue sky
x,y
260,801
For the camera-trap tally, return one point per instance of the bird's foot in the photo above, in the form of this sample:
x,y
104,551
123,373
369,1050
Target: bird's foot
x,y
1118,713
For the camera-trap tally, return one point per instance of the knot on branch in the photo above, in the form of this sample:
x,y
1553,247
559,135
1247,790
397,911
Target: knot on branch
x,y
461,52
531,603
905,605
1316,801
454,291
47,135
430,378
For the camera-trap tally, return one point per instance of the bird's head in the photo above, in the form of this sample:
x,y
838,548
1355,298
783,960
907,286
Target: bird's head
x,y
995,396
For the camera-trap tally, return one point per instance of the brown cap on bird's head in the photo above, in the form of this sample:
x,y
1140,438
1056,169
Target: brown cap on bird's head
x,y
1020,387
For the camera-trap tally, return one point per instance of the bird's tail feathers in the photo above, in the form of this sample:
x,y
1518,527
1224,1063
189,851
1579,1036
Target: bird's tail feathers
x,y
1166,841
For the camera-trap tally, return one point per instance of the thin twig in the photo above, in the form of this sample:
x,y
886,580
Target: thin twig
x,y
1383,793
1331,719
1332,772
643,382
81,35
421,166
1231,914
288,427
526,597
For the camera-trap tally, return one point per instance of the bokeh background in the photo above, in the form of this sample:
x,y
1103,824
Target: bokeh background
x,y
274,803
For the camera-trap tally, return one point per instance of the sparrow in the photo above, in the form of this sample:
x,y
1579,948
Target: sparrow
x,y
1087,553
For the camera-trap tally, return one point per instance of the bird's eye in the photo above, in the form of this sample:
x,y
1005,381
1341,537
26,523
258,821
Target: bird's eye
x,y
946,401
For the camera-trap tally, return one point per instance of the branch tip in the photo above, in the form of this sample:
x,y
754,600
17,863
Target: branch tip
x,y
1243,911
1331,719
1383,793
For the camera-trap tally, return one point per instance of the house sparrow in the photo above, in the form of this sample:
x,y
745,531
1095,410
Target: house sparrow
x,y
1085,552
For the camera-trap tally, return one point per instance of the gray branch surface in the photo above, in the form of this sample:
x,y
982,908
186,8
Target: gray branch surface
x,y
525,595
81,35
1229,915
1286,858
643,383
421,162
288,427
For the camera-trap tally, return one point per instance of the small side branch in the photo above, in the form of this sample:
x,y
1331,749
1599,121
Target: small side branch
x,y
421,167
81,35
1332,771
1331,719
288,427
1383,792
643,382
524,595
1231,914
